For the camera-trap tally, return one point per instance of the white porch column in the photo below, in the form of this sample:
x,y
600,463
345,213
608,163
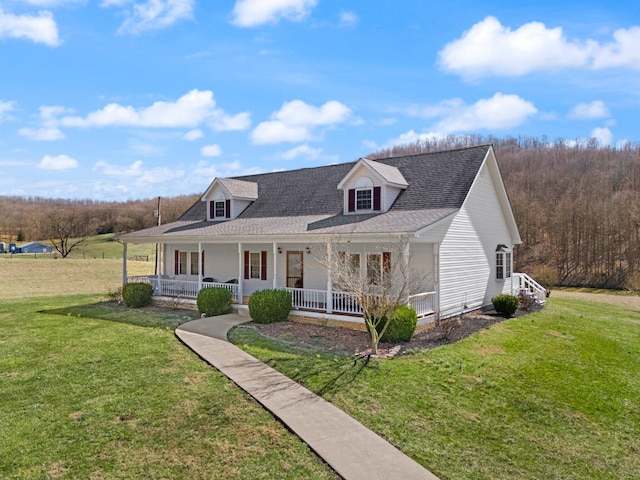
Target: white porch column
x,y
275,263
436,280
200,266
158,256
329,305
240,276
124,264
406,257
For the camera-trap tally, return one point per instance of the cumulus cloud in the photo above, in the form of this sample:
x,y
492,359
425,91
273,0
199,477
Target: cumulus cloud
x,y
348,19
43,134
188,111
5,109
152,14
221,169
211,151
40,28
60,162
412,137
222,122
587,111
304,151
489,48
603,136
192,135
296,121
500,112
251,13
137,174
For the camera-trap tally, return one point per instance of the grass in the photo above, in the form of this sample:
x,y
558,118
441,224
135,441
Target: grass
x,y
552,395
88,398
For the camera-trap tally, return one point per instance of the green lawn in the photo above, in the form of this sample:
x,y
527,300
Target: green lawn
x,y
552,395
93,399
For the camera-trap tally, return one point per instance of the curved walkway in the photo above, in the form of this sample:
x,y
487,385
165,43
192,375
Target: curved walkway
x,y
351,449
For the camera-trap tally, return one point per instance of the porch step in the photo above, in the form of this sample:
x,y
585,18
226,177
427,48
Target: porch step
x,y
242,310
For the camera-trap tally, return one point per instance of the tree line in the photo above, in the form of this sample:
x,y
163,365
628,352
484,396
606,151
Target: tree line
x,y
577,206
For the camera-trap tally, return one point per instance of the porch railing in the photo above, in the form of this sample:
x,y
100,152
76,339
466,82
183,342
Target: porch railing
x,y
344,302
525,284
167,287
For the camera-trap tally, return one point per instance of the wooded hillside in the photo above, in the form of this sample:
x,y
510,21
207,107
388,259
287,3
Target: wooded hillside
x,y
577,207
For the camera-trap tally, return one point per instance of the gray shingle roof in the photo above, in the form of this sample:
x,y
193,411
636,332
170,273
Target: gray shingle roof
x,y
389,172
306,201
240,188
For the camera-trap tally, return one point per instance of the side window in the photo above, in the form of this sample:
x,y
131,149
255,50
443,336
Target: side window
x,y
254,265
503,262
194,263
183,263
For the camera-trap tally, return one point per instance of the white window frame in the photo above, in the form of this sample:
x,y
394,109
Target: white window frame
x,y
185,262
363,190
215,208
257,275
504,264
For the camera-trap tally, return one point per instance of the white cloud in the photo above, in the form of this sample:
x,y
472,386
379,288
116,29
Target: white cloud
x,y
192,135
43,134
603,136
251,13
595,109
60,162
412,137
152,14
489,48
211,151
348,19
40,28
188,111
136,173
295,121
221,169
52,3
302,151
500,112
225,123
5,108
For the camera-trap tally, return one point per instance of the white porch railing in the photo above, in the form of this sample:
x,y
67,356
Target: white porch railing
x,y
523,283
344,302
169,287
423,303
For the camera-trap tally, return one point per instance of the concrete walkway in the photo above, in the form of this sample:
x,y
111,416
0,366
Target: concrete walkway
x,y
351,449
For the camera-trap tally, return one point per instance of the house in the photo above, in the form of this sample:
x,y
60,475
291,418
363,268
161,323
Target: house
x,y
34,247
449,209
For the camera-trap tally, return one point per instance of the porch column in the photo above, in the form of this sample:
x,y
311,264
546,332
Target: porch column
x,y
406,257
158,255
275,263
329,305
436,280
240,273
200,266
124,264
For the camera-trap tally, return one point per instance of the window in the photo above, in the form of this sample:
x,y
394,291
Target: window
x,y
187,263
379,268
350,261
503,262
219,209
364,199
255,265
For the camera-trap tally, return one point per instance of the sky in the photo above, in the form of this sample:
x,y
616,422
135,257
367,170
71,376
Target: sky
x,y
128,99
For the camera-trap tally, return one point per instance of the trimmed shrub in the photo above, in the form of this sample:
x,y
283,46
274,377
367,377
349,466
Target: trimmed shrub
x,y
505,304
214,301
269,306
137,294
401,326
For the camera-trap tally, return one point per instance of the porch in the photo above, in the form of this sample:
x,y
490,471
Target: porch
x,y
303,299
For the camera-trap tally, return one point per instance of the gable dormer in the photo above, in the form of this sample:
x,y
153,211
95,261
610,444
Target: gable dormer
x,y
227,198
371,187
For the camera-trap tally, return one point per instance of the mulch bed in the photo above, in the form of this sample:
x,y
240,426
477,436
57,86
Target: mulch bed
x,y
346,341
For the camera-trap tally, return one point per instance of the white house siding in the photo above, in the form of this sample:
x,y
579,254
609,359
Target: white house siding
x,y
389,195
422,256
467,252
221,261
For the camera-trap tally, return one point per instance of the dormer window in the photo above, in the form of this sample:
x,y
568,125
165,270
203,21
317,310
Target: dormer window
x,y
227,198
219,209
364,198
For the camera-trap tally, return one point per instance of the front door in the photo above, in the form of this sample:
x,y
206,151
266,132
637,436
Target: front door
x,y
295,270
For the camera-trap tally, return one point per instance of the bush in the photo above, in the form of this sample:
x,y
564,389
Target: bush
x,y
505,304
269,306
401,326
214,301
137,294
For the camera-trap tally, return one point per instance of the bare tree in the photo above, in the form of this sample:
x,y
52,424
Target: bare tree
x,y
378,281
65,229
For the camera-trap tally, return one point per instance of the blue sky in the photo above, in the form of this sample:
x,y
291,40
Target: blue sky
x,y
122,99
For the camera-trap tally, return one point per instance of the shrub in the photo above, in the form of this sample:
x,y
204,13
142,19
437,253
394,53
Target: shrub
x,y
268,306
137,294
214,301
401,326
115,295
505,304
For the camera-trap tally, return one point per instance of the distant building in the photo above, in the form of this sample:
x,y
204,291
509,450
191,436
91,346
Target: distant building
x,y
34,247
3,247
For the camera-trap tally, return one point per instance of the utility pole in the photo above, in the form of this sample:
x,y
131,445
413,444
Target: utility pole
x,y
159,216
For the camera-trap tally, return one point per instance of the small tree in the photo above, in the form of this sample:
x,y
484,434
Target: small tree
x,y
379,285
65,229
